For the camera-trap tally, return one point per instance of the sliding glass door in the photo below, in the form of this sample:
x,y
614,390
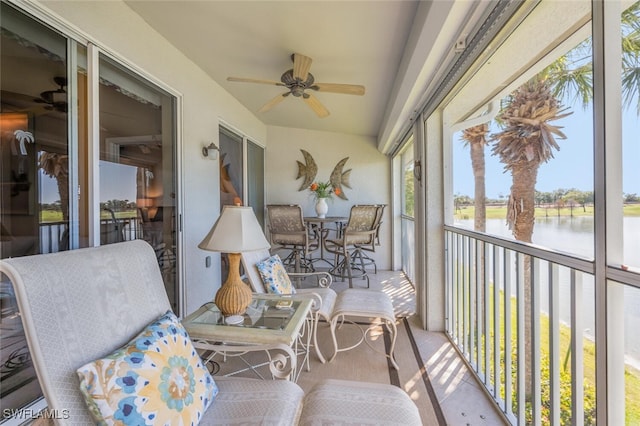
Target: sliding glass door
x,y
137,165
241,172
34,175
68,182
255,179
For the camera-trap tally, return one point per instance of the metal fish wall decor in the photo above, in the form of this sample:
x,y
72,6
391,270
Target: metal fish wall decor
x,y
309,170
339,178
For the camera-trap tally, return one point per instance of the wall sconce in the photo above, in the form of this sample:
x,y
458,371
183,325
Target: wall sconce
x,y
211,151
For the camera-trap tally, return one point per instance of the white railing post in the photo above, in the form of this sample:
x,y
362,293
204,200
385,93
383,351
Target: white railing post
x,y
487,347
496,323
577,350
554,343
535,343
522,391
508,388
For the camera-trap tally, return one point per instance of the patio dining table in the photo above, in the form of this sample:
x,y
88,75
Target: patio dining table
x,y
323,231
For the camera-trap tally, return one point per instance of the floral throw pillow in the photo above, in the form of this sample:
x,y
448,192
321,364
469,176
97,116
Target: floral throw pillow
x,y
274,276
157,378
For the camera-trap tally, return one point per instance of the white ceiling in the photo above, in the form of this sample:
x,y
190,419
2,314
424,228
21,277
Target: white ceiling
x,y
371,43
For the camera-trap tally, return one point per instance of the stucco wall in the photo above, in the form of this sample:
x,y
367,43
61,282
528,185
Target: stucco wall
x,y
370,174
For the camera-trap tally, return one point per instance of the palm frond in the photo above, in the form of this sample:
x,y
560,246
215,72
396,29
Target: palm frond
x,y
575,85
631,83
630,17
475,135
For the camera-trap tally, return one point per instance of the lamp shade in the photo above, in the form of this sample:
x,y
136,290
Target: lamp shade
x,y
237,230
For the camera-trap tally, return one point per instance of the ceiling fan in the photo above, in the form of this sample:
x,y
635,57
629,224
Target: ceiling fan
x,y
298,80
55,99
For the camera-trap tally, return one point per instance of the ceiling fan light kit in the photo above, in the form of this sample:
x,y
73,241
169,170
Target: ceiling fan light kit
x,y
298,80
55,99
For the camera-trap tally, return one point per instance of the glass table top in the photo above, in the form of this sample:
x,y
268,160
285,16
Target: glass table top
x,y
271,314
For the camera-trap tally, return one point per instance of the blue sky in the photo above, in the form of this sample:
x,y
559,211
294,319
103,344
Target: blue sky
x,y
571,167
117,182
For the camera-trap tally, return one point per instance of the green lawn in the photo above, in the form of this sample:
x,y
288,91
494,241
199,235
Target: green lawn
x,y
56,216
50,216
632,376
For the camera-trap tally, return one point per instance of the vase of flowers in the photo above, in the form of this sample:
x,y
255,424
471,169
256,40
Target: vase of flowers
x,y
322,191
322,208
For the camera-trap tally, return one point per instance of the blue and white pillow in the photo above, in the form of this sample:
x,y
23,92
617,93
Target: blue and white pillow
x,y
274,276
157,378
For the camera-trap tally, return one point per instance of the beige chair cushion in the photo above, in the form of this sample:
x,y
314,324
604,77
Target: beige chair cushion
x,y
254,402
334,402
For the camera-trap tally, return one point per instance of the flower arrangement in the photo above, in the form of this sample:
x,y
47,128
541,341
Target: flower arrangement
x,y
323,189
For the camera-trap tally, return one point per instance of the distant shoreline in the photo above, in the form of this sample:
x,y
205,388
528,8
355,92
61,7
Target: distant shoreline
x,y
500,212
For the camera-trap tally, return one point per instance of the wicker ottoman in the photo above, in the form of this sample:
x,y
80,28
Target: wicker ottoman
x,y
339,402
365,304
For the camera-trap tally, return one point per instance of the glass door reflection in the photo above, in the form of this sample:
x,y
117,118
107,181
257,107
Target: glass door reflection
x,y
137,166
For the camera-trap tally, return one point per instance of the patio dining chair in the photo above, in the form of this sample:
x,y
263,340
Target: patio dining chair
x,y
360,256
359,234
287,230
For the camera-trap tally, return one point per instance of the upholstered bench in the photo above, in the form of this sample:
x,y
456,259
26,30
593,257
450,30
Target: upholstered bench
x,y
365,304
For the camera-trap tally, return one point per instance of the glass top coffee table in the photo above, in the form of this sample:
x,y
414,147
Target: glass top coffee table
x,y
272,323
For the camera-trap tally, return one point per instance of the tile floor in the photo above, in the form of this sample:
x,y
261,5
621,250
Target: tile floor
x,y
460,396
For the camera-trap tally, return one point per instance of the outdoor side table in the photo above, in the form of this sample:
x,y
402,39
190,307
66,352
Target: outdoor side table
x,y
282,332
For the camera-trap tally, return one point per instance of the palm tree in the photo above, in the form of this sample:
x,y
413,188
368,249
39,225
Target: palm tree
x,y
527,141
476,138
528,137
57,166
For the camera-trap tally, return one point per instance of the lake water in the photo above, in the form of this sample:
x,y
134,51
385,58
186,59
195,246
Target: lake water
x,y
575,235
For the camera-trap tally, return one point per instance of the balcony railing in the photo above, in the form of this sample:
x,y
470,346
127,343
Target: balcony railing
x,y
54,235
523,318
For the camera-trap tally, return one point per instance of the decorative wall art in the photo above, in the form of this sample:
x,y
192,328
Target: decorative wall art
x,y
18,170
337,179
309,170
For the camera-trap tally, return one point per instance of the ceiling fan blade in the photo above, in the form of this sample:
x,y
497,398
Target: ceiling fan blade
x,y
347,89
37,110
255,80
273,102
315,105
301,65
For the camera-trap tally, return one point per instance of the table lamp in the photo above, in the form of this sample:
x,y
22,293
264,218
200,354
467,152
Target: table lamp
x,y
237,230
